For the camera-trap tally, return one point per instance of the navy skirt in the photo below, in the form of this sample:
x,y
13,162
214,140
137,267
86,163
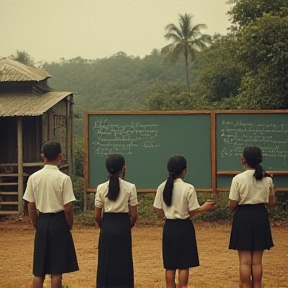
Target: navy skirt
x,y
179,246
54,251
115,262
251,228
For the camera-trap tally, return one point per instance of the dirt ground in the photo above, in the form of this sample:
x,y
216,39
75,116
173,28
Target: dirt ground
x,y
218,265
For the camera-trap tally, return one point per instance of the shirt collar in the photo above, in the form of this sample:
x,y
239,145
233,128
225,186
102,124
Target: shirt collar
x,y
49,166
178,180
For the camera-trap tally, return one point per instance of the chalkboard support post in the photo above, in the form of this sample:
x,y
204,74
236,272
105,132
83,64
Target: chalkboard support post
x,y
213,155
86,158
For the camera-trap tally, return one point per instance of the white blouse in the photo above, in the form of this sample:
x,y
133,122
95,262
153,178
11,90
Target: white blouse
x,y
184,199
247,190
127,196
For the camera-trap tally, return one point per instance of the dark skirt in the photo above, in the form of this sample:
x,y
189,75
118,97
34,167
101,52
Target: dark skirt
x,y
251,228
115,262
179,246
54,251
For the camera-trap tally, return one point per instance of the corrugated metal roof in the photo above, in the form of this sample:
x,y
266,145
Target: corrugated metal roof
x,y
23,104
13,71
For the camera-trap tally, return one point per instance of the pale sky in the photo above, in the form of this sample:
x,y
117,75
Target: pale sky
x,y
51,29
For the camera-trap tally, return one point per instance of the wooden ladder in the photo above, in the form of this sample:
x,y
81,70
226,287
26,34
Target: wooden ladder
x,y
9,203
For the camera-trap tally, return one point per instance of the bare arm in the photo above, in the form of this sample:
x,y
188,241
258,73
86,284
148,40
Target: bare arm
x,y
272,199
32,213
68,210
159,212
206,206
133,214
98,216
232,204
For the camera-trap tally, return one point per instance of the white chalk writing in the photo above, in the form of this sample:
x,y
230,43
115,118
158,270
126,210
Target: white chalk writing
x,y
270,137
123,138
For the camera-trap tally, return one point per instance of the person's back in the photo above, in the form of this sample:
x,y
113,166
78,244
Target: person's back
x,y
115,213
49,194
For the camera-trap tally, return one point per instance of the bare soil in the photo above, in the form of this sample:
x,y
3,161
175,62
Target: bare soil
x,y
218,265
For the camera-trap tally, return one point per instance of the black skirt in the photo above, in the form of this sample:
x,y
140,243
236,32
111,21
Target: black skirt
x,y
179,246
54,251
251,228
115,262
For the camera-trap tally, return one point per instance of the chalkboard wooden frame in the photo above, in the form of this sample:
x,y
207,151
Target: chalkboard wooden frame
x,y
232,173
107,113
213,132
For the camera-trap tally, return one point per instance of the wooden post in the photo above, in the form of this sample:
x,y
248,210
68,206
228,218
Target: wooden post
x,y
69,139
20,164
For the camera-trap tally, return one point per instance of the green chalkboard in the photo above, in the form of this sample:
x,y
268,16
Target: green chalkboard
x,y
267,131
147,141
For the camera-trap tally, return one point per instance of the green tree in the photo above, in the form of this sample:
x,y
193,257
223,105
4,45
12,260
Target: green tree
x,y
23,57
263,50
243,12
187,41
218,73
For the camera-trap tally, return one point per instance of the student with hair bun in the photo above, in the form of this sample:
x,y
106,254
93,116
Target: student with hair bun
x,y
177,201
117,199
250,193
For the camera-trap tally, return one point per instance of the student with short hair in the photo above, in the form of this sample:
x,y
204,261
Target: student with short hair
x,y
49,194
117,199
251,191
177,201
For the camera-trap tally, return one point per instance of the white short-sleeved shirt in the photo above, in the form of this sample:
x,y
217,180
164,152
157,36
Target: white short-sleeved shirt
x,y
127,196
247,190
184,199
50,189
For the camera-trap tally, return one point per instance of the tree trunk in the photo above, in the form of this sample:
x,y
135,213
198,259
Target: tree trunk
x,y
187,71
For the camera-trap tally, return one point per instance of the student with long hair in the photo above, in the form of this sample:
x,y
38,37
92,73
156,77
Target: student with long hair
x,y
250,193
117,199
177,201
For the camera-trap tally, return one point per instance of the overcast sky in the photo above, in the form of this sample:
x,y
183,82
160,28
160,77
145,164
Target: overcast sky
x,y
51,29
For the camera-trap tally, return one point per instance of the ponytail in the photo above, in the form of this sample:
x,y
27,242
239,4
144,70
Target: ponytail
x,y
114,187
259,173
168,189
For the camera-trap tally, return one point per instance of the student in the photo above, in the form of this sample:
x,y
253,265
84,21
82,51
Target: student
x,y
117,199
177,201
50,193
250,191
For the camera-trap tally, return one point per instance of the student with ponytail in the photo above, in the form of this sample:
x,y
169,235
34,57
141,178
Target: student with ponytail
x,y
250,193
177,201
117,199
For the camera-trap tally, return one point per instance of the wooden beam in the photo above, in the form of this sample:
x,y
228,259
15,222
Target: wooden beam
x,y
69,135
20,164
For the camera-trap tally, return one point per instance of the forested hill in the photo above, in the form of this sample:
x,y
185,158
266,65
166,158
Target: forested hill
x,y
119,82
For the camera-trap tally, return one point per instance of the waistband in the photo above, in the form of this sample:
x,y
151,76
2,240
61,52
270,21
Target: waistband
x,y
54,214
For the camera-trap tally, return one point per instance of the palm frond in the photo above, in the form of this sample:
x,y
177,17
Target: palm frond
x,y
171,28
174,54
173,36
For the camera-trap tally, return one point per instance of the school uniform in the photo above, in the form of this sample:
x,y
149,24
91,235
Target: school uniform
x,y
179,246
115,262
250,227
54,251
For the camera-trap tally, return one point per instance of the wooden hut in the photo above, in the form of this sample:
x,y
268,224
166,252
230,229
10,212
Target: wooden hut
x,y
30,114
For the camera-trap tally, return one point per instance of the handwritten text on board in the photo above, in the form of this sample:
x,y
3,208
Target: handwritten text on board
x,y
271,138
123,138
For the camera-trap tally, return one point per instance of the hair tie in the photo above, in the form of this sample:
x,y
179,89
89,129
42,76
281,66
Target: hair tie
x,y
259,160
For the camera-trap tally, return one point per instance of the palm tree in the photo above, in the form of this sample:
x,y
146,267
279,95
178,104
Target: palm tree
x,y
187,41
24,58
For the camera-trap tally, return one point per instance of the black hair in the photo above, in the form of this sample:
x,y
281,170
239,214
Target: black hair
x,y
51,150
253,157
114,164
175,167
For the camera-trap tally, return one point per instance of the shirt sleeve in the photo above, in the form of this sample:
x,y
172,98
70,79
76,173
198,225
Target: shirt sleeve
x,y
133,201
193,203
157,201
98,201
234,193
29,195
68,194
